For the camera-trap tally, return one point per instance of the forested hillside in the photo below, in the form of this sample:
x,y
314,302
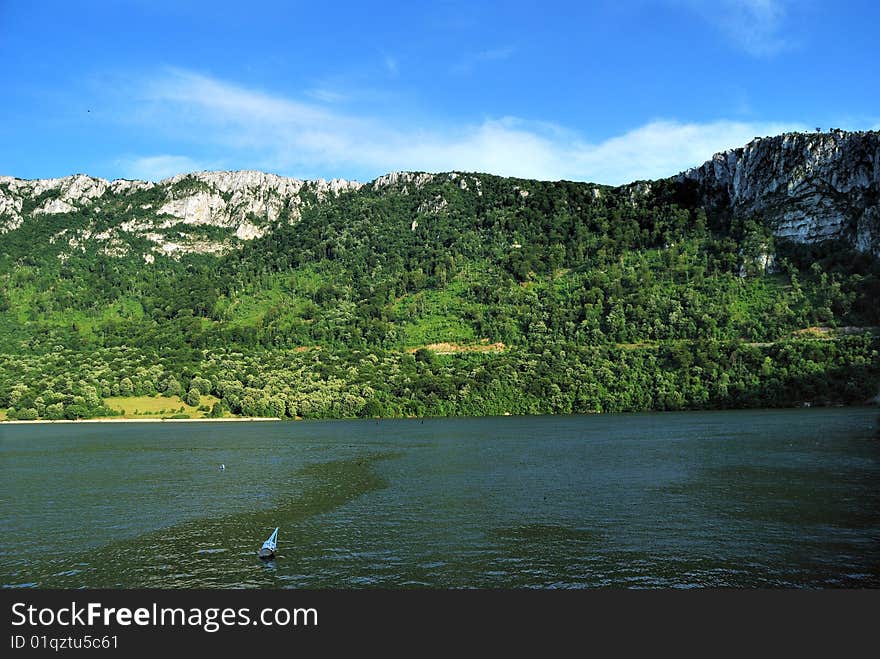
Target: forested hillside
x,y
446,294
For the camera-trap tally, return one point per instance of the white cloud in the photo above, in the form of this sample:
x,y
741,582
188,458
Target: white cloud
x,y
470,61
755,26
662,148
496,54
155,168
257,130
326,95
390,64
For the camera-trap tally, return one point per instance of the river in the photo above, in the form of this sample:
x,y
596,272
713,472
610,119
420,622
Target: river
x,y
770,498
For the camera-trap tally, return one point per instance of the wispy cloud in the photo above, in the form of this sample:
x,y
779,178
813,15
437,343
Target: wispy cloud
x,y
325,95
469,61
390,64
755,26
662,148
496,54
155,168
254,129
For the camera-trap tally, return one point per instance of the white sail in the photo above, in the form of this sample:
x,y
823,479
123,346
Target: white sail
x,y
271,543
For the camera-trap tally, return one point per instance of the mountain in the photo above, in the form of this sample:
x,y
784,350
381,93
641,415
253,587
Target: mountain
x,y
172,214
806,187
752,280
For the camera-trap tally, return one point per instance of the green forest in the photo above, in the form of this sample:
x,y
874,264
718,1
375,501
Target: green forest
x,y
463,296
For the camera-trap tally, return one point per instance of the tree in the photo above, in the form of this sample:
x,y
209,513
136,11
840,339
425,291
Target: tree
x,y
192,397
202,384
172,387
54,411
126,388
424,355
75,412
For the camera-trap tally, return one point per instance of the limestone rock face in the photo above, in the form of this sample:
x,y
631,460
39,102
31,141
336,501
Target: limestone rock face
x,y
62,196
198,208
236,199
10,212
807,187
245,203
53,207
397,179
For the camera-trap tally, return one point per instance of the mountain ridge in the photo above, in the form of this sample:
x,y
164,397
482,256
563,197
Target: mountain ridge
x,y
736,284
807,187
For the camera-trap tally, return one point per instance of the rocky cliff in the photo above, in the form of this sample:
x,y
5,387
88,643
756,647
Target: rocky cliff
x,y
807,187
175,214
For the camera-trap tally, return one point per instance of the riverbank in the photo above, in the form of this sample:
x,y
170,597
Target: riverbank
x,y
144,420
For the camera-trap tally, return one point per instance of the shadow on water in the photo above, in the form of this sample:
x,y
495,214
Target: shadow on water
x,y
806,497
555,556
212,552
546,535
745,499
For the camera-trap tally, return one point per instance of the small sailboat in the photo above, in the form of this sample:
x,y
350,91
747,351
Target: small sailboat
x,y
267,551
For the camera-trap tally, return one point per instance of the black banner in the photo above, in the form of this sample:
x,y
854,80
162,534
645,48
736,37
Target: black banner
x,y
104,622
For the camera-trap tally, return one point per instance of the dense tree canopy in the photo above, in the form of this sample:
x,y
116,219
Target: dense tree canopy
x,y
550,297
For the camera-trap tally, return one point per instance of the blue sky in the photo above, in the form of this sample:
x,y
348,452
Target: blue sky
x,y
601,91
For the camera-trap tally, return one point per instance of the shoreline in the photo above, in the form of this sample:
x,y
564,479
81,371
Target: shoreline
x,y
865,405
115,420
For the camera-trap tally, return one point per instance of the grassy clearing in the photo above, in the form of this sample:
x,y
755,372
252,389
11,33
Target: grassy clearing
x,y
446,348
833,332
434,316
436,328
278,296
754,296
138,407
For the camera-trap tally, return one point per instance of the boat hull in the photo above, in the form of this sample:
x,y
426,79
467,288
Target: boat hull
x,y
266,554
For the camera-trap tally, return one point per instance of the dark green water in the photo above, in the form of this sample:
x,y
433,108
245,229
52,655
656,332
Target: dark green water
x,y
745,499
